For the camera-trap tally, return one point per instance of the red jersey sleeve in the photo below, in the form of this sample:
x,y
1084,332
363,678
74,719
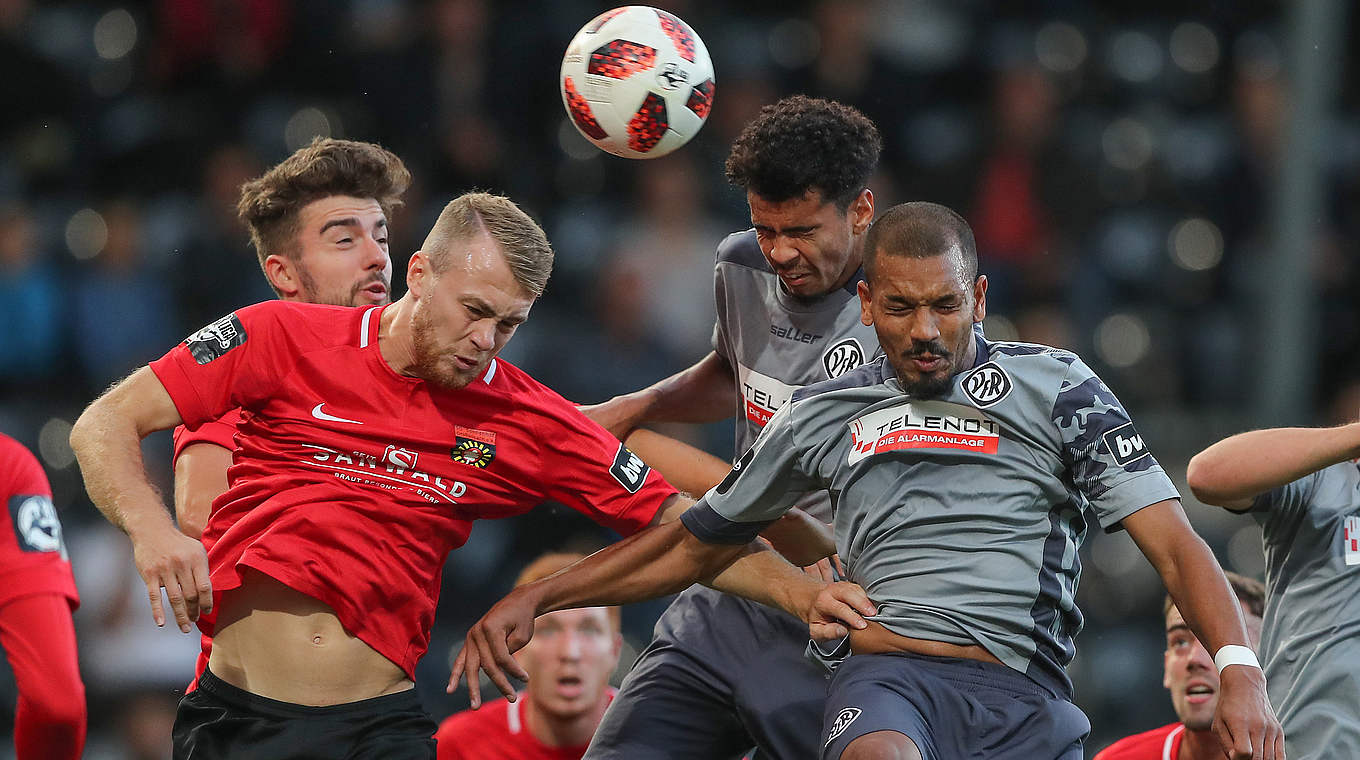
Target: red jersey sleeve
x,y
592,472
231,363
219,432
33,556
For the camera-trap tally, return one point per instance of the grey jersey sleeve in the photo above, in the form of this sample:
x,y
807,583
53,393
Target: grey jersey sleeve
x,y
1280,509
1109,462
762,486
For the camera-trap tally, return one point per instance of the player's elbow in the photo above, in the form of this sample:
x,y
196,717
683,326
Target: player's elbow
x,y
85,432
1205,479
191,519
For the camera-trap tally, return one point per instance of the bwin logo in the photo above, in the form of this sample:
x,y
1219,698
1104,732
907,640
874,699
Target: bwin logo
x,y
987,385
629,470
1125,444
843,720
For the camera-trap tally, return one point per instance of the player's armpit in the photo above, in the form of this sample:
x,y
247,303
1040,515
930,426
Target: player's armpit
x,y
200,477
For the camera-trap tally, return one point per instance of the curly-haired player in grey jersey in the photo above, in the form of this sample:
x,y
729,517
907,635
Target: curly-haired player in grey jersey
x,y
723,674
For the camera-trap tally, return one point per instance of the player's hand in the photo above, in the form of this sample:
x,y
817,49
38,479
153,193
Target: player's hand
x,y
490,642
1244,721
838,608
167,559
618,415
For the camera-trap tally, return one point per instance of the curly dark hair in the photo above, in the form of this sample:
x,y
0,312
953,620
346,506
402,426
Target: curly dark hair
x,y
270,204
801,144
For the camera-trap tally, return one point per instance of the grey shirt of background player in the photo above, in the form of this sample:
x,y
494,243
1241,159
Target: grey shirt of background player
x,y
777,343
961,515
1310,638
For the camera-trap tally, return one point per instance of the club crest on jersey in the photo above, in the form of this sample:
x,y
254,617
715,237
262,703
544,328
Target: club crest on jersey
x,y
35,524
923,425
472,447
843,720
629,469
987,385
216,339
842,357
1125,444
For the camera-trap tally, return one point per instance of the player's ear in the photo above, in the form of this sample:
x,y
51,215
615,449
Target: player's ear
x,y
418,274
862,211
282,275
866,314
980,298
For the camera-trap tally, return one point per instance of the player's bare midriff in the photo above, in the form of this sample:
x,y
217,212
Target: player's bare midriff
x,y
282,644
875,639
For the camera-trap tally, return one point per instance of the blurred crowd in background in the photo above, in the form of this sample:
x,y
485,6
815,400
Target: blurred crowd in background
x,y
1118,161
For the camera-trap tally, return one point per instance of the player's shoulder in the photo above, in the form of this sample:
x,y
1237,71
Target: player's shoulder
x,y
297,322
741,249
474,725
863,377
18,466
1014,352
1149,745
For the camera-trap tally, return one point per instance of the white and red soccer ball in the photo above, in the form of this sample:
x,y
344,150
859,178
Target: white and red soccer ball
x,y
637,82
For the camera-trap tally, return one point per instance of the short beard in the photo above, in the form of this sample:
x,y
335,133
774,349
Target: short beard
x,y
929,387
427,364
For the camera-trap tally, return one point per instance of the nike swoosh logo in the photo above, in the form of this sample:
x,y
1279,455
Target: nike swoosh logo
x,y
320,415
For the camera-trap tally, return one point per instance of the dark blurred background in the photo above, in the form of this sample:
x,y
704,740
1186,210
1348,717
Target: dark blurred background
x,y
1169,188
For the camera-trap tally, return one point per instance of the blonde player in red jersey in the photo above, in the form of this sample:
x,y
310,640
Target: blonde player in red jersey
x,y
374,437
569,663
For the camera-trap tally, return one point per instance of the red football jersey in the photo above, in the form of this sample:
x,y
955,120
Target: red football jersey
x,y
352,483
1158,744
497,732
219,432
32,553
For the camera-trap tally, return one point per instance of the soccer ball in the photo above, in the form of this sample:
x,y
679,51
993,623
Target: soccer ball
x,y
637,82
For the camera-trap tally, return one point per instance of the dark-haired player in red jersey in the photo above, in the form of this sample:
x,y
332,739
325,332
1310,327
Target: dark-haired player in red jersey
x,y
37,596
318,222
1190,675
569,662
373,438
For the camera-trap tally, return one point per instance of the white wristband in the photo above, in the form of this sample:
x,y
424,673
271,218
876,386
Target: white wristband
x,y
1235,654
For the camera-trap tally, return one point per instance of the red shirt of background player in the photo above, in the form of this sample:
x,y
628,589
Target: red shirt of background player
x,y
32,554
1158,744
498,732
352,483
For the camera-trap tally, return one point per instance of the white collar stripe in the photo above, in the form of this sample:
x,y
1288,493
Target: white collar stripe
x,y
1171,742
512,714
490,372
364,326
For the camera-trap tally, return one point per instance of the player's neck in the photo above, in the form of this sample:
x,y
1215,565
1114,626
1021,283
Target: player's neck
x,y
562,732
1199,745
394,336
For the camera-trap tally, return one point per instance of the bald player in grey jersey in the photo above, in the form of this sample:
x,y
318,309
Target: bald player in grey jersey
x,y
965,475
1303,486
723,674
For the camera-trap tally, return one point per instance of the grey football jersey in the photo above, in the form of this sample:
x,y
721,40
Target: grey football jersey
x,y
961,515
1310,640
777,343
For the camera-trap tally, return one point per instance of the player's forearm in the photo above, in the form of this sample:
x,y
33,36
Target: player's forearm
x,y
1248,464
801,538
762,575
200,477
107,446
1190,573
660,560
702,393
689,469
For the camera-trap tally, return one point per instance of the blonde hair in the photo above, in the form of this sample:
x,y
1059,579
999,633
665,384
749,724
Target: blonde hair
x,y
521,240
552,562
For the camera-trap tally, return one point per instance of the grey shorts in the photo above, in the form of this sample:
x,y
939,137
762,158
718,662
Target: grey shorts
x,y
951,708
721,675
